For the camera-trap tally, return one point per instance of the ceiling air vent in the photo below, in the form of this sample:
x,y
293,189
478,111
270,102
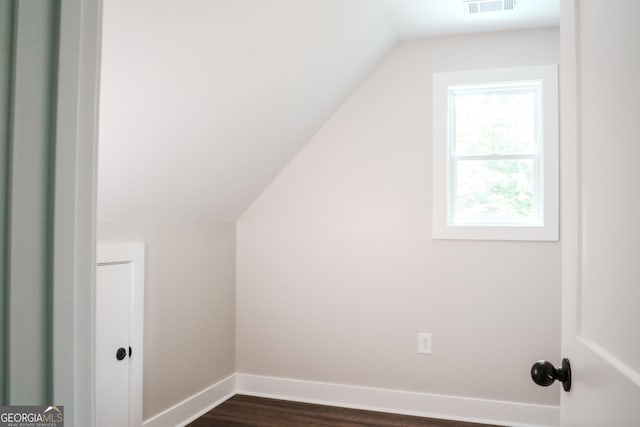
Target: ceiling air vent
x,y
481,6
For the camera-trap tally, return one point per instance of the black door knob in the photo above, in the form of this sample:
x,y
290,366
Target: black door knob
x,y
121,353
544,373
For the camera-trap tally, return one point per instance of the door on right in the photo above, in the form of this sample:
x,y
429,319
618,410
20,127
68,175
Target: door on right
x,y
600,163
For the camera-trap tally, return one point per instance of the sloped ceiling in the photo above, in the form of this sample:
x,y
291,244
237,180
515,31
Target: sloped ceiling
x,y
203,102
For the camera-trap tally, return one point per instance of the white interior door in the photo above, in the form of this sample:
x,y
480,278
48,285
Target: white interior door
x,y
113,326
600,89
119,325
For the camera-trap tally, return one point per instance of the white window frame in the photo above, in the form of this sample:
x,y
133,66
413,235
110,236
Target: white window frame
x,y
548,158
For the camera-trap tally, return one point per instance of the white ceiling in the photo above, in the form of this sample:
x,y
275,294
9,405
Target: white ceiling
x,y
203,102
429,18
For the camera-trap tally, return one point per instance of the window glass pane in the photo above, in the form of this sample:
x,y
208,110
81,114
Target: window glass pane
x,y
492,191
495,121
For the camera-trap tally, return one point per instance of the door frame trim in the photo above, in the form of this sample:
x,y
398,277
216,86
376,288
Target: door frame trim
x,y
571,219
134,254
570,190
76,127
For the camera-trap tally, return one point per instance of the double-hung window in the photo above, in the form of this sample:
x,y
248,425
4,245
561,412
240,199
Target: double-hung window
x,y
495,147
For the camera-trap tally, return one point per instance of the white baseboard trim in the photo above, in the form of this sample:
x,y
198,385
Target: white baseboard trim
x,y
401,402
193,407
373,399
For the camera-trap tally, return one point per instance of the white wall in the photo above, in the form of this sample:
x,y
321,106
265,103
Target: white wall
x,y
218,92
337,271
189,319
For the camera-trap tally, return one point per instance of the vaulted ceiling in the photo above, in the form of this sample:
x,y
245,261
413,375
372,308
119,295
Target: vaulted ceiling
x,y
203,102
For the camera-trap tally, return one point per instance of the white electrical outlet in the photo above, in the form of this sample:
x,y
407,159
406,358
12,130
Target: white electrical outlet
x,y
424,343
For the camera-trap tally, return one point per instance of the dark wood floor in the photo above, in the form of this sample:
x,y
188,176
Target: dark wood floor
x,y
248,411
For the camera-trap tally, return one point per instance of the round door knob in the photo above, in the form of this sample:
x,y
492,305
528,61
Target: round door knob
x,y
544,374
121,353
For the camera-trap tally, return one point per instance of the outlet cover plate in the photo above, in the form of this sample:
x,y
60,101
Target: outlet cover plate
x,y
424,343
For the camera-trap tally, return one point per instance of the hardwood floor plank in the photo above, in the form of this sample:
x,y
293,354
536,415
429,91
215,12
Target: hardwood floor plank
x,y
249,411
